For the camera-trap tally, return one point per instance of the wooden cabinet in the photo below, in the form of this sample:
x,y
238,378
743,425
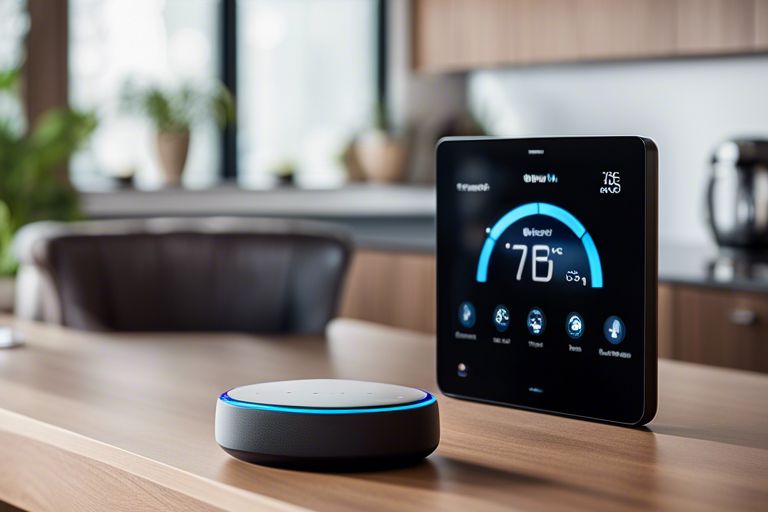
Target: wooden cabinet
x,y
698,324
666,327
717,26
717,326
455,35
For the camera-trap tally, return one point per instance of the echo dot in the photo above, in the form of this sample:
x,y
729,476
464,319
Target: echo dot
x,y
327,424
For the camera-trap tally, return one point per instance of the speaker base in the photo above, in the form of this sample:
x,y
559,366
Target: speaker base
x,y
330,464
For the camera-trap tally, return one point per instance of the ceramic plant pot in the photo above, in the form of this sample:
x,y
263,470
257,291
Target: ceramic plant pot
x,y
172,149
381,157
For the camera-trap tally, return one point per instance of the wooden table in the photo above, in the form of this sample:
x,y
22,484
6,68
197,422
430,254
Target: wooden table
x,y
125,422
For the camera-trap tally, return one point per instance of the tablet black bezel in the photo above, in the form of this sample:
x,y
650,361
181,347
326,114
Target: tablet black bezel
x,y
649,399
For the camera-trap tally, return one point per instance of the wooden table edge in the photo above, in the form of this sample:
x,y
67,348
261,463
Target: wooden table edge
x,y
59,450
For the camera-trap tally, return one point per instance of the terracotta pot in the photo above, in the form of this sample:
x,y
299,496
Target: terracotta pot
x,y
172,148
381,158
7,290
351,163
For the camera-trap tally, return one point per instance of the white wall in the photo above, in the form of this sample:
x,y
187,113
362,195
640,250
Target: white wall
x,y
419,103
686,106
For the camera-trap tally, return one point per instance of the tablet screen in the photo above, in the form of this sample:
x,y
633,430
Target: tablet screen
x,y
546,273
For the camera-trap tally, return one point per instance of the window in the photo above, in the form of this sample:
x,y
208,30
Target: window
x,y
148,41
14,24
306,85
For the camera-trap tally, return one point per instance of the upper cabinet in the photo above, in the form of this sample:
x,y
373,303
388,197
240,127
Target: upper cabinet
x,y
460,35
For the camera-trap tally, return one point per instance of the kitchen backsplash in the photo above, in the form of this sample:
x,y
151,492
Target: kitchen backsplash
x,y
686,106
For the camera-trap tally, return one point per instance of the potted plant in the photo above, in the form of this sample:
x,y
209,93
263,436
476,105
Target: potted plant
x,y
30,189
380,155
173,112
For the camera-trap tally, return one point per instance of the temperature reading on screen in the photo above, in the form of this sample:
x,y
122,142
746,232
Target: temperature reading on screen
x,y
541,264
540,258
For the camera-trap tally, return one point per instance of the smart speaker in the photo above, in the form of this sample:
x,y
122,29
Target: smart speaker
x,y
327,424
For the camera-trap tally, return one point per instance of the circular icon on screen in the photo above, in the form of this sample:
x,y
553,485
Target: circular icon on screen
x,y
467,315
536,321
614,329
574,325
501,318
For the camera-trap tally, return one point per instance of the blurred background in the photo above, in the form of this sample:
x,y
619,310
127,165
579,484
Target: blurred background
x,y
330,109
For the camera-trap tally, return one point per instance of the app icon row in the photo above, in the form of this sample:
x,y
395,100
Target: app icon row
x,y
614,329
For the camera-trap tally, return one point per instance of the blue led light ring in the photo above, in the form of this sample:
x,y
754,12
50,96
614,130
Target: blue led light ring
x,y
429,399
549,210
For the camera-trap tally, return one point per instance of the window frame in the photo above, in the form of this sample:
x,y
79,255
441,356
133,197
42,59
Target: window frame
x,y
229,74
47,49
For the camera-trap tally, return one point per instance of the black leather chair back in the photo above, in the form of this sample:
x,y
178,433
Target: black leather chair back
x,y
261,276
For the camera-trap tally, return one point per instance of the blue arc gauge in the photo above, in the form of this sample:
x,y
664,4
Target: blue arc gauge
x,y
547,210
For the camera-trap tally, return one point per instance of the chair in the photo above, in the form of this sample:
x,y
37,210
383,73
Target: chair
x,y
210,274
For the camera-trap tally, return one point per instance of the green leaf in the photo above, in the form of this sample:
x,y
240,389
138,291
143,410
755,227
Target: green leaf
x,y
8,79
29,187
178,110
7,260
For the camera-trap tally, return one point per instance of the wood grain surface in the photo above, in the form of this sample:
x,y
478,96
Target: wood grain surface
x,y
125,422
462,35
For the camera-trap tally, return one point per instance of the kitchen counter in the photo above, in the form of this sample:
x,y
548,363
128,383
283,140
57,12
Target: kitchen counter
x,y
712,267
354,200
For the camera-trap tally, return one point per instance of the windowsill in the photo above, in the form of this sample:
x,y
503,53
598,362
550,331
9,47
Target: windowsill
x,y
357,200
